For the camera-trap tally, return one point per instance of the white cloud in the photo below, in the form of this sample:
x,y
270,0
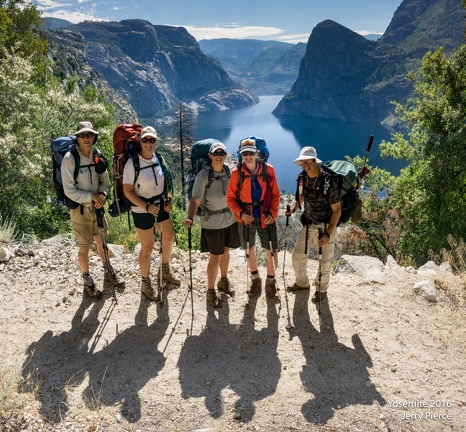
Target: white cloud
x,y
294,38
74,17
367,32
233,31
45,5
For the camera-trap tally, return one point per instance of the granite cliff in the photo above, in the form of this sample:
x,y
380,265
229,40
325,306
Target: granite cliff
x,y
151,67
344,76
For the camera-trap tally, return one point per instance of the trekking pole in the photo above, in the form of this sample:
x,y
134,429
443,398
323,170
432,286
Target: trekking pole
x,y
272,252
161,264
247,257
320,268
364,169
108,266
190,246
289,326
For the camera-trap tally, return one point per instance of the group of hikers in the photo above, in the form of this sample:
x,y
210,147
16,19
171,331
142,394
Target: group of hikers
x,y
233,205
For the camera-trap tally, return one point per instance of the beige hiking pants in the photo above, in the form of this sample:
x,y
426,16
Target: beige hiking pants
x,y
300,260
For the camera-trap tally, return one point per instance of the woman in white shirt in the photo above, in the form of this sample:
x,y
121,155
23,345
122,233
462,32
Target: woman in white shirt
x,y
150,193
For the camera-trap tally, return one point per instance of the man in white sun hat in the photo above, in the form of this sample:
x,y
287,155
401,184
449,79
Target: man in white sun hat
x,y
319,193
86,194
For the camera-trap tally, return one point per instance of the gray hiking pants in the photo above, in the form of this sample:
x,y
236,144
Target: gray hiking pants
x,y
300,260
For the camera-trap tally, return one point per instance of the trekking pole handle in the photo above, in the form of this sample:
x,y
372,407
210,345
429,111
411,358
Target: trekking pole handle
x,y
288,210
369,144
321,233
189,238
100,217
364,170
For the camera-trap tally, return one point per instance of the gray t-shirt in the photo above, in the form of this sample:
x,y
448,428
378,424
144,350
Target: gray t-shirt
x,y
213,199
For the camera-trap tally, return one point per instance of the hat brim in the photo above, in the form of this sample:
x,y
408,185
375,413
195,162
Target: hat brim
x,y
216,147
303,158
86,130
248,149
149,134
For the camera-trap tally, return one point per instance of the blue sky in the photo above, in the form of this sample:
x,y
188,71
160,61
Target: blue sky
x,y
284,20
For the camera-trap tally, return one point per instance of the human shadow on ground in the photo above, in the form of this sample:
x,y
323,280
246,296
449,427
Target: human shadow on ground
x,y
258,367
335,374
205,359
56,363
239,357
123,367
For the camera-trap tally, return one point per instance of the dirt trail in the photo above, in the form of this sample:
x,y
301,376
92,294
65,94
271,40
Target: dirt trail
x,y
381,358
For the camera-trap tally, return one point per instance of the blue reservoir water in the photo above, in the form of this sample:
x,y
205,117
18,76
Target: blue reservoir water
x,y
285,136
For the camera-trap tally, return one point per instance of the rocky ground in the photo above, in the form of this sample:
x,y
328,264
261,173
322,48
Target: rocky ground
x,y
386,354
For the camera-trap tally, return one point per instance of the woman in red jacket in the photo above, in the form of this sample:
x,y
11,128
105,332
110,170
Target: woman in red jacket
x,y
253,196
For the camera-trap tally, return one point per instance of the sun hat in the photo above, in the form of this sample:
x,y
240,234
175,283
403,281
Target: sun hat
x,y
85,126
248,145
148,131
217,145
306,154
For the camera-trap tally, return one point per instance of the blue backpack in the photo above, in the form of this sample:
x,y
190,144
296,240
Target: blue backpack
x,y
261,146
61,146
263,156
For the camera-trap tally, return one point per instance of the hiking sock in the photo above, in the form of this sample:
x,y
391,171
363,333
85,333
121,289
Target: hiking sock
x,y
145,279
255,274
88,279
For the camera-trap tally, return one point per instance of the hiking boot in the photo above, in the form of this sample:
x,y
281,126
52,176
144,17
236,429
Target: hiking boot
x,y
111,276
319,296
167,275
256,288
271,288
224,286
295,287
213,300
148,291
89,287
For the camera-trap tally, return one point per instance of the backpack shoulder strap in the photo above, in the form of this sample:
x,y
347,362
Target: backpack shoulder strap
x,y
240,177
299,187
265,173
137,167
77,160
161,161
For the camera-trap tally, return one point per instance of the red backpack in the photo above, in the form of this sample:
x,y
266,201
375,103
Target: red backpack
x,y
126,144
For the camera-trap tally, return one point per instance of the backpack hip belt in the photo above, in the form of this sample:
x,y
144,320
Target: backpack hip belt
x,y
207,212
153,200
253,203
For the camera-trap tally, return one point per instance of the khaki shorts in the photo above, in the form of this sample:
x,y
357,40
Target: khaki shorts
x,y
85,225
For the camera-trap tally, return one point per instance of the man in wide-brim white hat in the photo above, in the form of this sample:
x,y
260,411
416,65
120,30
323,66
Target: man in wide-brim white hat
x,y
319,193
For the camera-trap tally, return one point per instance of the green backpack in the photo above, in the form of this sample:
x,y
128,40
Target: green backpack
x,y
347,178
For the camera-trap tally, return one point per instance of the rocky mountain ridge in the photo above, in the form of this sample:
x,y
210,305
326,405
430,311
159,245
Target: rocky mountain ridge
x,y
151,67
346,77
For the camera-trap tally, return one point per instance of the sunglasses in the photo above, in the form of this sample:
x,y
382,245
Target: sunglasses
x,y
307,161
86,135
219,153
151,140
248,153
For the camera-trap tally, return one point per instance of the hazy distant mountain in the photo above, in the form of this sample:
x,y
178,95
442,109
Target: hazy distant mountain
x,y
264,67
344,76
373,36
